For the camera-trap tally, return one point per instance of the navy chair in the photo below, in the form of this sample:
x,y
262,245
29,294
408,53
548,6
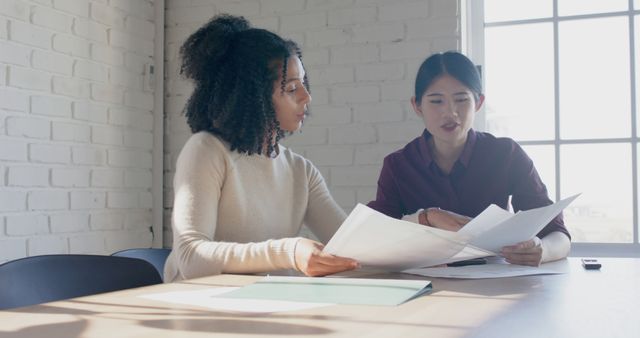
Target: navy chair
x,y
156,257
40,279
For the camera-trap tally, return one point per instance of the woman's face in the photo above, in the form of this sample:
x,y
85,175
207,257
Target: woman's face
x,y
291,104
447,109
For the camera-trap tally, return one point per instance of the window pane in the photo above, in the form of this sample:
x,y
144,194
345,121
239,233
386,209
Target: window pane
x,y
519,81
577,7
506,10
544,160
602,173
594,78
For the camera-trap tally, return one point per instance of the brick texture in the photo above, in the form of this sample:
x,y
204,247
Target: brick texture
x,y
71,96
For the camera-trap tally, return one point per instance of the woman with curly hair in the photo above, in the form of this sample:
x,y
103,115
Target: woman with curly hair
x,y
241,197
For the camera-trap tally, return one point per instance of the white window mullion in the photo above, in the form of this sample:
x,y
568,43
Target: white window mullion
x,y
556,82
473,44
634,135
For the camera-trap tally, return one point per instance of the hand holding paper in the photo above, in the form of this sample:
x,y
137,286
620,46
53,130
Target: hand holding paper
x,y
524,253
378,241
312,261
444,219
382,242
495,227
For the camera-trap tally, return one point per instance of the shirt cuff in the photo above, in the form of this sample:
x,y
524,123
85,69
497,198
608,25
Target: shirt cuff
x,y
413,217
283,252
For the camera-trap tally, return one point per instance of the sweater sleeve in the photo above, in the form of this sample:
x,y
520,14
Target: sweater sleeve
x,y
323,216
200,174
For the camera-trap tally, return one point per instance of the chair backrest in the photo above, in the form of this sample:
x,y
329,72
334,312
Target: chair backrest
x,y
157,257
47,278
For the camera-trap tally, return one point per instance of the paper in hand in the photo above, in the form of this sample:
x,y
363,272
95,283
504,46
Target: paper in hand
x,y
495,227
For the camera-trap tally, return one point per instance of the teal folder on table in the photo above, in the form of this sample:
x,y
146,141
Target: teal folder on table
x,y
357,291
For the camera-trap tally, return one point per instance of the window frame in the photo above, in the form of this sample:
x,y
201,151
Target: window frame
x,y
472,44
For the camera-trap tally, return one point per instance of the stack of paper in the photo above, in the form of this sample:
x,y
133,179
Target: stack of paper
x,y
381,242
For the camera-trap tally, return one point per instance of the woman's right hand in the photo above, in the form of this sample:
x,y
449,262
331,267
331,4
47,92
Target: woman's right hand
x,y
311,261
443,219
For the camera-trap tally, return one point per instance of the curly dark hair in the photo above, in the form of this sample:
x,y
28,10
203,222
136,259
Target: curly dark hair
x,y
233,67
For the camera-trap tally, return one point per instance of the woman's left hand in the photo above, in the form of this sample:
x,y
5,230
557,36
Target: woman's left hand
x,y
312,261
524,253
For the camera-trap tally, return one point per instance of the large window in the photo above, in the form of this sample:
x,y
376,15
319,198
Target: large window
x,y
560,78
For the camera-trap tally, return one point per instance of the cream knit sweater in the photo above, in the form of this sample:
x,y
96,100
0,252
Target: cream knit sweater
x,y
234,213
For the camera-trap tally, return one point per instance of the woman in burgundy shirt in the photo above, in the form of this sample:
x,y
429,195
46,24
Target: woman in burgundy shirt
x,y
451,173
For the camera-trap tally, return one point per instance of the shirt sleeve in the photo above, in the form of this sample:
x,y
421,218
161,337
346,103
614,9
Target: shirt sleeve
x,y
415,217
323,216
529,192
198,182
388,199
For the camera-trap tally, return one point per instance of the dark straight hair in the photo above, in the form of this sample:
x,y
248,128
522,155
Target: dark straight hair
x,y
448,63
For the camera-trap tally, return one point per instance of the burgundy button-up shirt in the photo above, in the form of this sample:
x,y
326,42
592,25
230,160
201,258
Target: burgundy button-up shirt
x,y
488,171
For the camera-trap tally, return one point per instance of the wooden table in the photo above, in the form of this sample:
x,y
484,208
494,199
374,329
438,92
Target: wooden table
x,y
581,303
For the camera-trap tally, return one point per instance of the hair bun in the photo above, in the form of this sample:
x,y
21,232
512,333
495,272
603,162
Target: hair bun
x,y
205,48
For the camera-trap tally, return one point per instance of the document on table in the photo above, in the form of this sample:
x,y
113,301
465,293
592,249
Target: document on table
x,y
214,299
356,291
496,268
381,242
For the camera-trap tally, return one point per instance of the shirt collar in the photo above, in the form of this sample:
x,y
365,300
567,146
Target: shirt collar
x,y
465,156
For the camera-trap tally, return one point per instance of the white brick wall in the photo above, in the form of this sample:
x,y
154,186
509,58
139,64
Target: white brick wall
x,y
361,58
25,225
76,126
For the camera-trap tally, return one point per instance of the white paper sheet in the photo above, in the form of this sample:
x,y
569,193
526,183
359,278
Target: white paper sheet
x,y
495,269
488,218
381,242
205,298
493,229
